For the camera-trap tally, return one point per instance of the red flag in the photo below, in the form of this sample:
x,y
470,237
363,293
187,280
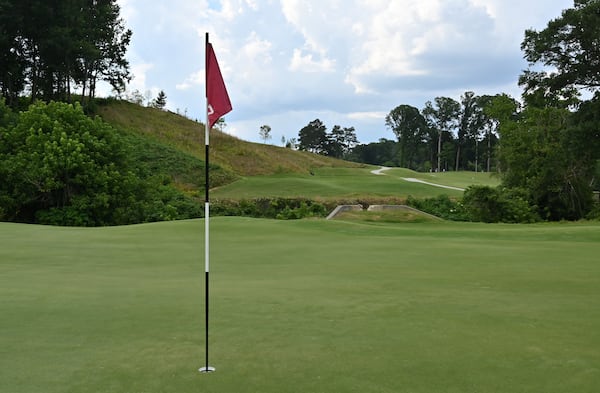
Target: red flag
x,y
216,93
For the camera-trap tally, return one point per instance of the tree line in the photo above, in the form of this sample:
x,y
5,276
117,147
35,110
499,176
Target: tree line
x,y
50,48
337,143
445,135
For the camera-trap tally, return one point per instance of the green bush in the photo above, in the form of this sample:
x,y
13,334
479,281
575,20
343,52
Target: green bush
x,y
441,206
594,214
61,167
488,204
279,208
481,204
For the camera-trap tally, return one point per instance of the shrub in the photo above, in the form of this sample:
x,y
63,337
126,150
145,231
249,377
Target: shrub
x,y
60,167
279,208
441,206
487,204
594,214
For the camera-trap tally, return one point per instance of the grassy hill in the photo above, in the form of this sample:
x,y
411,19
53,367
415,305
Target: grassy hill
x,y
228,152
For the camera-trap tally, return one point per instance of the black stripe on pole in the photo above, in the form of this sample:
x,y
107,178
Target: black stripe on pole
x,y
206,291
206,315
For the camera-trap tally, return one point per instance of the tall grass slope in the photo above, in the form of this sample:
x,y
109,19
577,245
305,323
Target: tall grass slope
x,y
231,153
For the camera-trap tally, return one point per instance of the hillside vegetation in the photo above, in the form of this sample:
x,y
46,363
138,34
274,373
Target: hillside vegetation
x,y
135,164
259,180
239,157
253,170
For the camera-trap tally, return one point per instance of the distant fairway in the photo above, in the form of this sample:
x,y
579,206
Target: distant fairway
x,y
301,306
342,183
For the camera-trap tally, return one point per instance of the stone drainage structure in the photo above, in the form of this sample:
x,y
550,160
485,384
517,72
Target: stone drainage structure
x,y
345,208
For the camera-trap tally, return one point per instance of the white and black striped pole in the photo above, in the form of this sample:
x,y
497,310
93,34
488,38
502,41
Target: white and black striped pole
x,y
207,368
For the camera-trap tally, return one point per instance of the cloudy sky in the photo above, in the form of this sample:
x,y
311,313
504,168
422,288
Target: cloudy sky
x,y
345,62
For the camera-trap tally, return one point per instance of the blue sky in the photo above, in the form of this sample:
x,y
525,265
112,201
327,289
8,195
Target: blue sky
x,y
346,62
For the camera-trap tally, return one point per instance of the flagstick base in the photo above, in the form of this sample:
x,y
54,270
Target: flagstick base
x,y
207,369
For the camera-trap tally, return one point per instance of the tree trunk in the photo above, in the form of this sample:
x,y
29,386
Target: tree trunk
x,y
457,156
489,151
439,152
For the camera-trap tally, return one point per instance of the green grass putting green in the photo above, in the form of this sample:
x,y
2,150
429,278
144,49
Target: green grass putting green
x,y
301,306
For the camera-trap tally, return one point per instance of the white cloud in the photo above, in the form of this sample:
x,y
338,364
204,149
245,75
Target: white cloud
x,y
253,4
343,61
488,5
139,71
306,63
367,115
228,9
194,80
256,49
405,33
128,11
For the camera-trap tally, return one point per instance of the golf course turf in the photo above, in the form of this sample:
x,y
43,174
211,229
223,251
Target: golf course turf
x,y
301,306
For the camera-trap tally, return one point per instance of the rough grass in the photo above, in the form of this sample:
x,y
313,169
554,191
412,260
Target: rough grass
x,y
301,306
242,158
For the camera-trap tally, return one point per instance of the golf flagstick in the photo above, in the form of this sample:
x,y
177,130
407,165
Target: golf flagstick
x,y
217,105
206,368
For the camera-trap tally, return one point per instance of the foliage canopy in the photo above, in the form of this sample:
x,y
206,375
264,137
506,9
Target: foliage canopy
x,y
570,45
48,47
62,167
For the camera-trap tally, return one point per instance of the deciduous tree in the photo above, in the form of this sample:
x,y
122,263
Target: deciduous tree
x,y
313,137
265,133
570,46
443,118
410,127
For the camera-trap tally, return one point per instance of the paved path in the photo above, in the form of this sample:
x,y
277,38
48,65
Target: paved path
x,y
380,170
413,180
410,179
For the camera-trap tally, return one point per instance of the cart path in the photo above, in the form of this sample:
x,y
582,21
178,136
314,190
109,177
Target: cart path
x,y
380,170
413,180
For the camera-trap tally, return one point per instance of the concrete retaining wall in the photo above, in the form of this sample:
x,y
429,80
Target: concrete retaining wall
x,y
399,207
344,208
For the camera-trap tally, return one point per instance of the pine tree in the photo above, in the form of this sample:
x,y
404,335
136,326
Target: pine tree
x,y
160,101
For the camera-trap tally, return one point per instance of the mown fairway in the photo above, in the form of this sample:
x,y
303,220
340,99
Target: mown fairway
x,y
352,183
301,306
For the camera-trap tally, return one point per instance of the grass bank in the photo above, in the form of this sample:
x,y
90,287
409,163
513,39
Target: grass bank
x,y
228,152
